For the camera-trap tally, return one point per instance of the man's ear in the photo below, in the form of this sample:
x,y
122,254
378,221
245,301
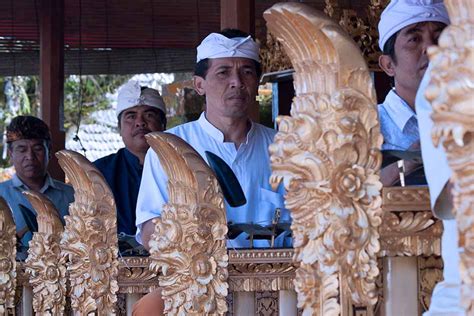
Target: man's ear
x,y
198,83
387,64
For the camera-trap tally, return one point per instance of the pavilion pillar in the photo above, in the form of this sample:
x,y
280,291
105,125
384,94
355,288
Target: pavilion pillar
x,y
240,14
52,76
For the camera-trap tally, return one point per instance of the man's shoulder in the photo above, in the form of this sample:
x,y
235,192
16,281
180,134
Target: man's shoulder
x,y
262,131
63,186
183,130
105,161
5,185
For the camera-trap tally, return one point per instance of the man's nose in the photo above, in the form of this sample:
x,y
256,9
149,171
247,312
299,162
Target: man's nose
x,y
236,81
139,121
29,154
428,41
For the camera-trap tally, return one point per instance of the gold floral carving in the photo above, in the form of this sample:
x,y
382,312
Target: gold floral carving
x,y
410,234
328,156
7,259
90,238
135,275
430,272
451,93
188,244
45,265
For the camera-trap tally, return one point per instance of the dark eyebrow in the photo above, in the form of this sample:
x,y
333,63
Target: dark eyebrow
x,y
153,110
415,29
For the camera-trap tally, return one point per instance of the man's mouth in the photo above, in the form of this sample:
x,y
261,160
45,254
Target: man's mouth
x,y
237,97
141,132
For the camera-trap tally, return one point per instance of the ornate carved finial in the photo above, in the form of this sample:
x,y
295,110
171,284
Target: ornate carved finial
x,y
90,238
189,243
327,154
451,93
7,259
45,265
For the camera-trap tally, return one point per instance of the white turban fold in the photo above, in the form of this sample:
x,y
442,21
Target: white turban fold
x,y
402,13
131,94
217,46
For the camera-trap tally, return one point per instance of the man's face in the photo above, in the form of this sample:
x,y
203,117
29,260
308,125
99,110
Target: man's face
x,y
135,123
230,86
30,158
411,59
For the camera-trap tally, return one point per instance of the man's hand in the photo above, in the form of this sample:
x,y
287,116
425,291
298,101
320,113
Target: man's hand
x,y
147,230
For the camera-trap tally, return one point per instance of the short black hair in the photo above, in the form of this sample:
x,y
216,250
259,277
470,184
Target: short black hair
x,y
202,66
389,47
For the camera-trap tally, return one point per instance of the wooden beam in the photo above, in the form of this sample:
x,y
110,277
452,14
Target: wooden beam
x,y
52,76
240,14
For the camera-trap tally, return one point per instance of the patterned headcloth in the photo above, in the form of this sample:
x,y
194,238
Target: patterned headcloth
x,y
401,13
27,127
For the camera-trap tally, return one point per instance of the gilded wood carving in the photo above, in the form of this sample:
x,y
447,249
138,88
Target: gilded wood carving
x,y
327,154
7,259
45,265
451,93
189,242
90,238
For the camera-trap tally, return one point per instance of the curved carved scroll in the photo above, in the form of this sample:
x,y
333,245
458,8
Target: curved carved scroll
x,y
188,244
7,259
451,92
90,237
45,265
327,154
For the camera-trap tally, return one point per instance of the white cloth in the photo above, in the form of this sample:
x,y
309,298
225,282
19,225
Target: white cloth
x,y
445,299
250,163
398,123
401,13
435,163
216,45
131,94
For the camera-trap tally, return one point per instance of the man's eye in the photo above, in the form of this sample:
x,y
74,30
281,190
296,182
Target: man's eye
x,y
414,39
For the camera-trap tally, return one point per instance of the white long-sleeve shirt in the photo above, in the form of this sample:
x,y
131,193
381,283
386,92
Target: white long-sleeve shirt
x,y
250,163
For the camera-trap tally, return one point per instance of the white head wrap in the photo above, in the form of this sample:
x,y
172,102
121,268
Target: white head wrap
x,y
401,13
130,95
217,46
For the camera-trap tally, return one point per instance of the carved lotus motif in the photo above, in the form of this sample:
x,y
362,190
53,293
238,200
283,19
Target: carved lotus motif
x,y
90,240
327,155
188,244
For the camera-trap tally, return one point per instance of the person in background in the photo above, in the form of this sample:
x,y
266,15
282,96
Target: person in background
x,y
406,29
140,110
29,150
446,295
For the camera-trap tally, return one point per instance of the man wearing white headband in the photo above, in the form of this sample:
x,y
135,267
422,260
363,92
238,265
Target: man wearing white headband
x,y
406,29
140,110
227,74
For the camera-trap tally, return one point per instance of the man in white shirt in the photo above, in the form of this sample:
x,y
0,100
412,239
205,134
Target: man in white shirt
x,y
446,295
227,73
406,29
